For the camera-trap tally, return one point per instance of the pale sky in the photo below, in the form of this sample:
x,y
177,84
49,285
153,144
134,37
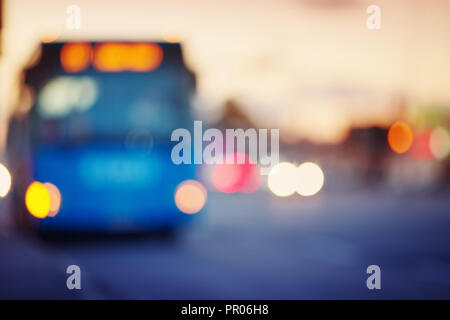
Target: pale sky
x,y
308,65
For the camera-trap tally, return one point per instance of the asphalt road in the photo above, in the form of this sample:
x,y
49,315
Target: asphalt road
x,y
254,247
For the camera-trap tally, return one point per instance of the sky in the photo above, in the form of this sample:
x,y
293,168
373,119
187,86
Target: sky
x,y
309,66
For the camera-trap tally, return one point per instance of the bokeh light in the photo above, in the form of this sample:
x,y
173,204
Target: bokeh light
x,y
109,57
190,196
53,99
117,57
145,57
283,179
84,93
50,36
231,177
254,180
400,137
37,200
420,148
311,179
26,101
171,37
439,143
61,95
55,199
75,57
5,181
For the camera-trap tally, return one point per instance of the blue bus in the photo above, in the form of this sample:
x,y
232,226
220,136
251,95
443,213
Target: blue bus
x,y
98,128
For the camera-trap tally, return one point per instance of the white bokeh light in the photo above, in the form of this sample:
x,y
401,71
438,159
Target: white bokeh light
x,y
283,179
311,179
5,181
439,143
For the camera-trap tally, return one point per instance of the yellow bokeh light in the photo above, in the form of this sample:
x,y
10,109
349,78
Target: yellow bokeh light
x,y
55,199
311,179
190,196
283,179
37,200
5,181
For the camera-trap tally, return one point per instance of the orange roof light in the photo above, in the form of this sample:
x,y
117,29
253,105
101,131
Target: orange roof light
x,y
117,57
75,57
109,57
145,57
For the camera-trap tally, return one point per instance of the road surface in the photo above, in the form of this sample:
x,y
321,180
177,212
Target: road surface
x,y
253,246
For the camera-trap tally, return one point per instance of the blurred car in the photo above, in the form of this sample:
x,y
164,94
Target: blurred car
x,y
97,127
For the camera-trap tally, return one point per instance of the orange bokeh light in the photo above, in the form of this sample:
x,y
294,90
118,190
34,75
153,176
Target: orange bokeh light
x,y
190,196
75,57
171,37
50,37
400,137
55,199
109,57
144,57
138,57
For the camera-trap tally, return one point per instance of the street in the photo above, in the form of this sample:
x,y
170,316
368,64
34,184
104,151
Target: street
x,y
254,246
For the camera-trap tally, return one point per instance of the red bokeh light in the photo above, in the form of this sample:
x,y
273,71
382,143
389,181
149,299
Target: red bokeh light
x,y
233,177
420,148
254,180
